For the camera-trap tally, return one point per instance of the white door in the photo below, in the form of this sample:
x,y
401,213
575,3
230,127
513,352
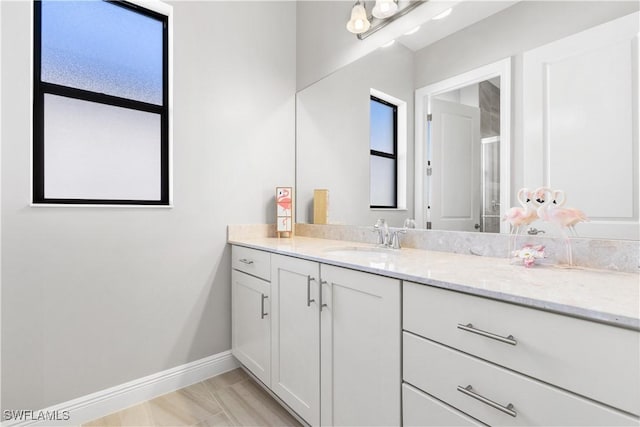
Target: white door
x,y
361,333
295,353
453,151
581,125
251,324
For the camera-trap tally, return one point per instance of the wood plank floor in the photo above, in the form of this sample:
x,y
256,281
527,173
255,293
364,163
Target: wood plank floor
x,y
230,399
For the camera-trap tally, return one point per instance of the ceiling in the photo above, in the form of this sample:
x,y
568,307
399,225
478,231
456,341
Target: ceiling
x,y
464,14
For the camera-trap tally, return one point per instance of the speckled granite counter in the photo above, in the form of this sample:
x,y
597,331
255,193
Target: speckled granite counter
x,y
598,295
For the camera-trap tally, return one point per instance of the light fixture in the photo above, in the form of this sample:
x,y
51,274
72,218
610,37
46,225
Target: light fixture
x,y
384,8
358,23
442,15
415,30
389,43
385,12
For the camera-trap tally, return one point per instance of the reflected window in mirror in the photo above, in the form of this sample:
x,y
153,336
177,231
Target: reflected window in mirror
x,y
383,137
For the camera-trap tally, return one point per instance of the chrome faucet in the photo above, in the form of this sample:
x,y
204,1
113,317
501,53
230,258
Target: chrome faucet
x,y
389,238
383,232
395,239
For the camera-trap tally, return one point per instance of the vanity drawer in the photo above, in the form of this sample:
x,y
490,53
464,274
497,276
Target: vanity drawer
x,y
588,358
442,372
420,409
251,261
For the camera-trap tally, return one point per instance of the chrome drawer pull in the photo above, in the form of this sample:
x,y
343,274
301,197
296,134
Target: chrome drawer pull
x,y
309,300
246,261
469,328
322,282
262,313
468,390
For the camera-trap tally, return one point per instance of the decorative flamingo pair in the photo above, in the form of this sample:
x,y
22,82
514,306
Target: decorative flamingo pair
x,y
545,204
538,205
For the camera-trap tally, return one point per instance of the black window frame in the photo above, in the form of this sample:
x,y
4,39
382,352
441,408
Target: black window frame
x,y
393,156
41,88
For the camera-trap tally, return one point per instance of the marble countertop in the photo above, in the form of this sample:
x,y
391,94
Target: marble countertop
x,y
599,295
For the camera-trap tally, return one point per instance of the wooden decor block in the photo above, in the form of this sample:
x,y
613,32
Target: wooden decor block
x,y
320,206
284,211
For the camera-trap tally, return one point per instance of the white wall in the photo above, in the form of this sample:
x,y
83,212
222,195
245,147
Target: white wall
x,y
94,297
522,27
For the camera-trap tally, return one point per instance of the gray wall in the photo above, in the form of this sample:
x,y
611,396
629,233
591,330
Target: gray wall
x,y
94,297
333,150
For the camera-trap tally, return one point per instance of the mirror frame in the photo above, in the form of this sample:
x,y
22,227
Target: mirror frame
x,y
422,105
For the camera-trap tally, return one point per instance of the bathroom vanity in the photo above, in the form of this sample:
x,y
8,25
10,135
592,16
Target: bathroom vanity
x,y
350,334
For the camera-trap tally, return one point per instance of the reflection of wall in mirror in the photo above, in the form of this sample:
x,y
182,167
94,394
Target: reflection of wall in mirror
x,y
333,145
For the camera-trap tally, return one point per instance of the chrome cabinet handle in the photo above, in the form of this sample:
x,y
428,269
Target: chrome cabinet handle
x,y
322,282
468,390
309,300
469,328
262,313
246,261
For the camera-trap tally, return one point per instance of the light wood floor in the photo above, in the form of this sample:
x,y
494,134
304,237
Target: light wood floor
x,y
230,399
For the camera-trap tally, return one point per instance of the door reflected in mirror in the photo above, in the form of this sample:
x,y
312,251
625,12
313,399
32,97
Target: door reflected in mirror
x,y
462,190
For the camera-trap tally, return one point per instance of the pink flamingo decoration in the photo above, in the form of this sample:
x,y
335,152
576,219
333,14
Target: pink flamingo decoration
x,y
519,217
552,211
525,215
283,200
565,218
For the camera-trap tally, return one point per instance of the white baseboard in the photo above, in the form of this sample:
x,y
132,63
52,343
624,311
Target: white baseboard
x,y
104,402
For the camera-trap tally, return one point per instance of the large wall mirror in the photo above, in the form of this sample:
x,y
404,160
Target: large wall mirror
x,y
522,98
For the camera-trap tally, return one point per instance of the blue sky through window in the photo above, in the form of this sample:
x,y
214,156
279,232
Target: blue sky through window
x,y
102,47
381,127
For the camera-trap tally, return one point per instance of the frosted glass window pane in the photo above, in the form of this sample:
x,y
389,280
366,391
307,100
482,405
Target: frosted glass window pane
x,y
381,127
102,47
97,151
383,178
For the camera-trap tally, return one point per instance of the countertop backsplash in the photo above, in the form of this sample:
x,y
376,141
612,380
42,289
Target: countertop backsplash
x,y
617,255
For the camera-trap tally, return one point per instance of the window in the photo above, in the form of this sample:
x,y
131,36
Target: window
x,y
383,136
101,104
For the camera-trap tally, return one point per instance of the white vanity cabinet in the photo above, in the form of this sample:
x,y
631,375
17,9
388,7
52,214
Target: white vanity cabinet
x,y
295,349
361,347
505,364
335,343
250,310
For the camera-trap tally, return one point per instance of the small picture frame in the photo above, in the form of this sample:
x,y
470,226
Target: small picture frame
x,y
284,211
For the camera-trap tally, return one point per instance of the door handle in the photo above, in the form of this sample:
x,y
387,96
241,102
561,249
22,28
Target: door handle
x,y
309,300
469,328
468,390
322,282
262,313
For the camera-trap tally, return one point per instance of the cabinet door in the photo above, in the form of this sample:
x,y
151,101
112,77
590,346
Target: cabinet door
x,y
251,324
360,344
295,363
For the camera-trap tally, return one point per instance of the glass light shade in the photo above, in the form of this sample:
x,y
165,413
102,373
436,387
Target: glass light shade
x,y
358,23
384,8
